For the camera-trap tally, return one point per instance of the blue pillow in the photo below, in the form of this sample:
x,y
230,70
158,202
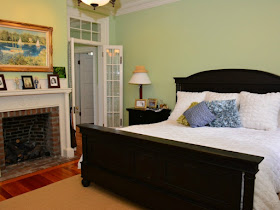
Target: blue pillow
x,y
226,114
199,115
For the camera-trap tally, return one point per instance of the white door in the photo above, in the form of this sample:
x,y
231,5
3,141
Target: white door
x,y
113,85
86,88
73,84
77,89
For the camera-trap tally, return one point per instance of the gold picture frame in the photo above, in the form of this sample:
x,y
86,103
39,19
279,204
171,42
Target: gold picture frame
x,y
140,104
152,103
25,47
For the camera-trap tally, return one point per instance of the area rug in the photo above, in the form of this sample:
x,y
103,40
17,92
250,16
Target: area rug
x,y
69,194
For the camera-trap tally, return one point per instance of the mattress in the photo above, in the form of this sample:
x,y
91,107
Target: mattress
x,y
243,140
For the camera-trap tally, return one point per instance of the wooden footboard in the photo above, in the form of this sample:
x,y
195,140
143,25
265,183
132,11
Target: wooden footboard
x,y
163,174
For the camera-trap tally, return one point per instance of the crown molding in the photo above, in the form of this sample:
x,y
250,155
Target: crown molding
x,y
141,5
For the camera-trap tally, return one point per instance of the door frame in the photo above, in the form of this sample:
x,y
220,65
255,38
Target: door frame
x,y
95,87
98,89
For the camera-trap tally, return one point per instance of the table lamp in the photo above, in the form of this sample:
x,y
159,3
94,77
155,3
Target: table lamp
x,y
140,77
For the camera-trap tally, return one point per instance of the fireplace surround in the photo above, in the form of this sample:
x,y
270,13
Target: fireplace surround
x,y
30,102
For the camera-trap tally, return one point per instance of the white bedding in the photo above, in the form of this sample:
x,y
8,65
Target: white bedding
x,y
243,140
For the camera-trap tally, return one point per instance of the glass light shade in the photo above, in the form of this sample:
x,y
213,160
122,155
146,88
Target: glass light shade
x,y
140,79
99,2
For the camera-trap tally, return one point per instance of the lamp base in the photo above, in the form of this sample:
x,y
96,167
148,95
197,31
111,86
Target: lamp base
x,y
140,92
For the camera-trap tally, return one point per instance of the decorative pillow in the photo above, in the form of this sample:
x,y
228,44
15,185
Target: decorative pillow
x,y
184,99
226,114
182,119
259,111
199,115
213,96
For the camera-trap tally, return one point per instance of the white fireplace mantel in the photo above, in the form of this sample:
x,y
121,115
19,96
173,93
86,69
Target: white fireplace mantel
x,y
15,100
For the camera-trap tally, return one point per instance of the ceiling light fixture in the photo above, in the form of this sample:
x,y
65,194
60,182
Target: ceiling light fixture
x,y
96,3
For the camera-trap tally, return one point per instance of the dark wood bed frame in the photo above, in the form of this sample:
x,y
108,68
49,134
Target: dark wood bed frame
x,y
162,174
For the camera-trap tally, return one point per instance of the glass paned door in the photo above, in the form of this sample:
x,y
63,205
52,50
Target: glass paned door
x,y
113,86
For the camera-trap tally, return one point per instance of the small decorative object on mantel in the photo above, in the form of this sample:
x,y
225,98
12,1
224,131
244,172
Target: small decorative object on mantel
x,y
53,81
140,104
27,82
36,82
152,103
17,83
2,82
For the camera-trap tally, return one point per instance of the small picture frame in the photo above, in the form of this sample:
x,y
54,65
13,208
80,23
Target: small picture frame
x,y
3,85
152,103
27,82
53,81
140,104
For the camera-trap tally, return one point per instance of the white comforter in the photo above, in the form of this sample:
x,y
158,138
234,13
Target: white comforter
x,y
249,141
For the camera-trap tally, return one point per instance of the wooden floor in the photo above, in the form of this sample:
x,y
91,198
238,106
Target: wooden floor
x,y
29,182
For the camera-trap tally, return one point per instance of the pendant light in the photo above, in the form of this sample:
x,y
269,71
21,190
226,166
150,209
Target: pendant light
x,y
96,3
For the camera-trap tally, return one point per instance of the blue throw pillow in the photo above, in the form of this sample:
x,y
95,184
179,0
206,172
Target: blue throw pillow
x,y
226,114
199,115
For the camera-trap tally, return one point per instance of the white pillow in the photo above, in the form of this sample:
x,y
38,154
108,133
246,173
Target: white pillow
x,y
213,96
259,111
184,100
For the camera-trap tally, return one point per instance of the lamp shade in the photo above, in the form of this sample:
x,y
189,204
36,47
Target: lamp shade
x,y
99,2
140,76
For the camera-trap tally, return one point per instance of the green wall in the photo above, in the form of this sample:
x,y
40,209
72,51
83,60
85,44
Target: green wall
x,y
189,36
52,13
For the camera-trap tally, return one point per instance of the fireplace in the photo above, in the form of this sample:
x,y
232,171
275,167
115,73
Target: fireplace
x,y
28,134
53,102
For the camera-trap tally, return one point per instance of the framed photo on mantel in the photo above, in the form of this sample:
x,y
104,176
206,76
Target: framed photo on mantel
x,y
2,82
53,81
27,82
25,47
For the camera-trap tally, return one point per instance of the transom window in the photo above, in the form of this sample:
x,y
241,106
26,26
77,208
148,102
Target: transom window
x,y
85,30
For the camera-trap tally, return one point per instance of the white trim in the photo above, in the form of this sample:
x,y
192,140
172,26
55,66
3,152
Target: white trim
x,y
72,42
86,42
34,92
100,85
141,5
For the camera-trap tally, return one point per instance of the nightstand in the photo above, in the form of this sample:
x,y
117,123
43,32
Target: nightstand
x,y
138,116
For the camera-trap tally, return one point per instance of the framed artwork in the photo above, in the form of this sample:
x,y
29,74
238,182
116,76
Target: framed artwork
x,y
60,71
152,103
2,82
27,82
53,81
140,104
25,47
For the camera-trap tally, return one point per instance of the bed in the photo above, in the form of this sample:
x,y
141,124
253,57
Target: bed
x,y
160,173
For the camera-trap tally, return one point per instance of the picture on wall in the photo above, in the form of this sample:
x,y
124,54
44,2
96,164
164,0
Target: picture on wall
x,y
25,47
60,71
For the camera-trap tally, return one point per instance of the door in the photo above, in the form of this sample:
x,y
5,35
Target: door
x,y
113,85
86,88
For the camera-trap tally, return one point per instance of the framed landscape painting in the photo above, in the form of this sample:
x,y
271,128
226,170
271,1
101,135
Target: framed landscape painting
x,y
25,47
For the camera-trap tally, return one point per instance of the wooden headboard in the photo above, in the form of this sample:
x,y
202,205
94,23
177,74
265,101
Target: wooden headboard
x,y
229,81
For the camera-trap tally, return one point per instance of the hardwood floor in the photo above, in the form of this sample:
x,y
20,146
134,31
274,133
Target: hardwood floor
x,y
33,181
29,182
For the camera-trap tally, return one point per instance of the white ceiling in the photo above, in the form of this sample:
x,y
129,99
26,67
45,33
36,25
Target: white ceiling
x,y
126,6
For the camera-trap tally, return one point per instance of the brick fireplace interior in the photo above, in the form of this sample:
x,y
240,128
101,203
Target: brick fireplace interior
x,y
28,134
